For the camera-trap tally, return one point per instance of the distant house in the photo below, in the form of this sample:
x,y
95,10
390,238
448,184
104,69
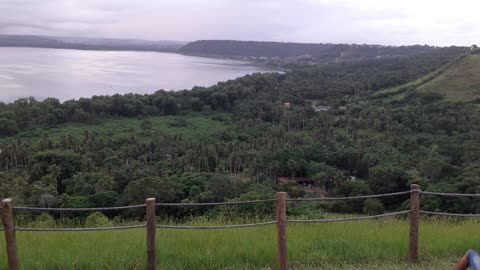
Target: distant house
x,y
286,104
319,108
474,49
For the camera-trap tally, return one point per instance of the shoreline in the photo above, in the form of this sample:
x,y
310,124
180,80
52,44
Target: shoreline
x,y
255,68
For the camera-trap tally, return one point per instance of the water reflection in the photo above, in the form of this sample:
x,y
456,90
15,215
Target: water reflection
x,y
67,74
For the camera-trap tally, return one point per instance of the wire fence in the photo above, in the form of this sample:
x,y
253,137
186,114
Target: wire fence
x,y
350,219
447,214
118,208
215,203
281,205
449,194
97,209
217,227
81,229
349,198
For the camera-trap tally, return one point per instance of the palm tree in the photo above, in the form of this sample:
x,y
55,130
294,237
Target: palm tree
x,y
292,166
55,172
275,167
320,178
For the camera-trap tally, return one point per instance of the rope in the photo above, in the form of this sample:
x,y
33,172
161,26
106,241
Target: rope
x,y
450,194
212,204
350,198
448,214
349,219
216,227
80,229
98,209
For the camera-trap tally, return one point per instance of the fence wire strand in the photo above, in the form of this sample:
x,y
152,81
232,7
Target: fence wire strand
x,y
80,229
450,194
349,198
216,227
97,209
349,219
448,214
214,204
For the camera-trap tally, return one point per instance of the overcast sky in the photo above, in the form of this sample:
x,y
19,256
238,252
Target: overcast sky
x,y
389,22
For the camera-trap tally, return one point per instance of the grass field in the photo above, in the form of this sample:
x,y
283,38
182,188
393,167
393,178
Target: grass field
x,y
456,81
380,244
189,126
396,92
460,82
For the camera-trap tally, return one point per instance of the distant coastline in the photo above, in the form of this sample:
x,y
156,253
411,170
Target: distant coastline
x,y
71,74
91,44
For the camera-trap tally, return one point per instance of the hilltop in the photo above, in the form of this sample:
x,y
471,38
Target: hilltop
x,y
459,82
455,81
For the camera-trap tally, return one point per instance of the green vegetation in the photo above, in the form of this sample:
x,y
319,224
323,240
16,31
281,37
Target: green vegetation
x,y
325,52
359,245
233,140
456,81
230,142
460,82
193,126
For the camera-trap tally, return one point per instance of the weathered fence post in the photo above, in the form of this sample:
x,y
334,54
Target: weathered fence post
x,y
151,223
10,238
281,203
414,222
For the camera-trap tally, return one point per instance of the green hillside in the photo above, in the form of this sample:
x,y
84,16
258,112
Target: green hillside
x,y
460,82
455,81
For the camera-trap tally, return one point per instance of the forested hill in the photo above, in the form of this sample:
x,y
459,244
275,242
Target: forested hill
x,y
88,43
232,48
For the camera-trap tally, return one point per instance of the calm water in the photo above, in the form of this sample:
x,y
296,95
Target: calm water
x,y
68,74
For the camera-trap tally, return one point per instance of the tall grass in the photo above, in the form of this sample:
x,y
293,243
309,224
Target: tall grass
x,y
310,246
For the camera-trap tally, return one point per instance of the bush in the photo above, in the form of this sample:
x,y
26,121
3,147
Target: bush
x,y
257,210
105,199
97,219
179,123
293,190
373,207
44,221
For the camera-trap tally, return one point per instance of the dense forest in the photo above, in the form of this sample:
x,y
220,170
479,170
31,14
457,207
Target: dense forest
x,y
283,49
251,131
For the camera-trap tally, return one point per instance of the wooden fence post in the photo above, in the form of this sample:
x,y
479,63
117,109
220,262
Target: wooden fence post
x,y
10,238
281,204
151,229
414,222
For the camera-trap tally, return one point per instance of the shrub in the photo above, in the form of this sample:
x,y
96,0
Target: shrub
x,y
97,219
373,207
44,221
179,123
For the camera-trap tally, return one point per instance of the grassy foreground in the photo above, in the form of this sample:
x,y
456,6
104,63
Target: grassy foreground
x,y
378,244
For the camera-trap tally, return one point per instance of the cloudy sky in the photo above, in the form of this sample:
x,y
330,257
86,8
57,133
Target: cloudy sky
x,y
390,22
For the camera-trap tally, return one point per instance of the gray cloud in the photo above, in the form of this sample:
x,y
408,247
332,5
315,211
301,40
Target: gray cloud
x,y
348,21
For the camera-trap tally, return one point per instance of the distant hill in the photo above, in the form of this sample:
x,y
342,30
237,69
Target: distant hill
x,y
88,43
459,82
232,48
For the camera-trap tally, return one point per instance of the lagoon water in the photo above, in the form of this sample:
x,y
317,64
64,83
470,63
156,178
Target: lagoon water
x,y
71,74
